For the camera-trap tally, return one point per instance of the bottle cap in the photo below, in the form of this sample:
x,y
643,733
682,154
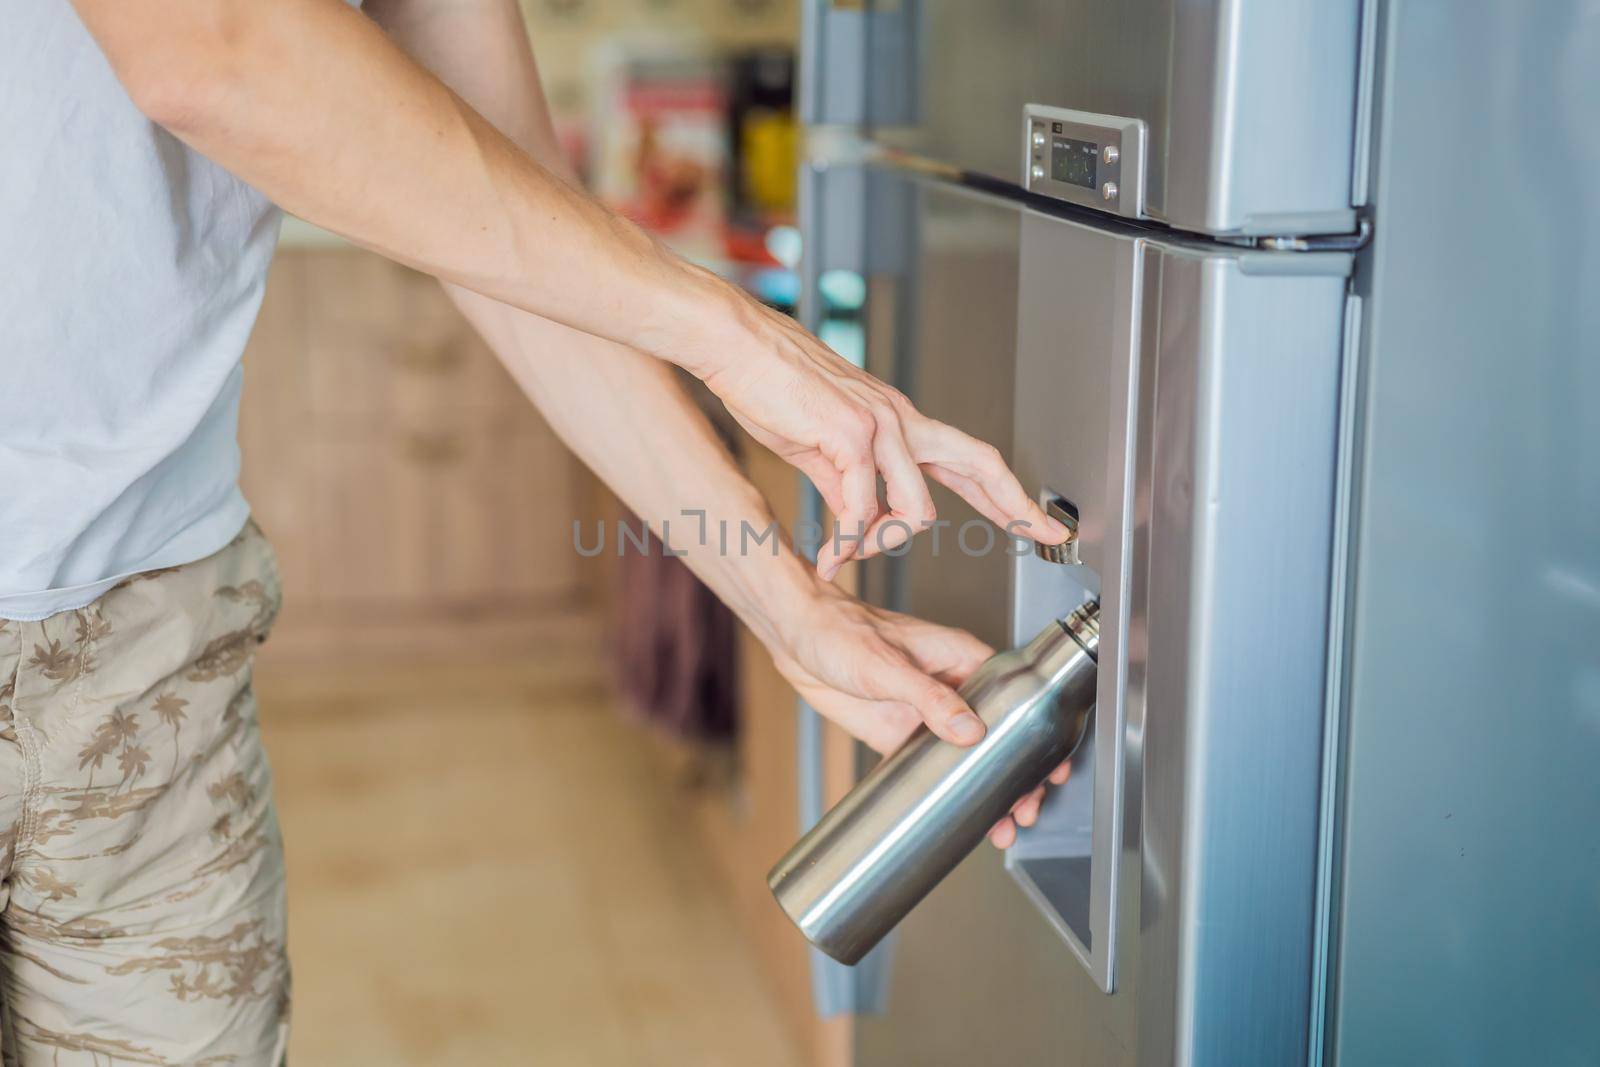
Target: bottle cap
x,y
1084,626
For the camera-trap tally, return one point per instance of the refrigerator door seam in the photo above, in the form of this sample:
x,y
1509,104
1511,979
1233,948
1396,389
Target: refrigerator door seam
x,y
1322,978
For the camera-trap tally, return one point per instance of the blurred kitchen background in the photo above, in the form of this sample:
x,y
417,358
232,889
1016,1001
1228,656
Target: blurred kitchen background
x,y
523,824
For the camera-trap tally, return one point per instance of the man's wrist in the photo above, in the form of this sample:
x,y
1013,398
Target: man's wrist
x,y
697,319
781,591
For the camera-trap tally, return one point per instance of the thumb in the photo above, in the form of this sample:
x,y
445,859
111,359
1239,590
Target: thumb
x,y
940,706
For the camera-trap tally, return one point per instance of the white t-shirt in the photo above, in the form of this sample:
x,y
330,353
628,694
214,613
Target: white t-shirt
x,y
131,270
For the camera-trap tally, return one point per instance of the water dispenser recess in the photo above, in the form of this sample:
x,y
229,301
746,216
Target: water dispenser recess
x,y
1077,372
1055,861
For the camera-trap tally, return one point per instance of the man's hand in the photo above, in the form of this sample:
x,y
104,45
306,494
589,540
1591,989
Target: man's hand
x,y
844,429
880,675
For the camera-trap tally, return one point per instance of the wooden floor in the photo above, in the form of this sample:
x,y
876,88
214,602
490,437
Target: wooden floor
x,y
488,866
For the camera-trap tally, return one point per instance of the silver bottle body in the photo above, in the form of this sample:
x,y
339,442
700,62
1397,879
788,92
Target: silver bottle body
x,y
916,815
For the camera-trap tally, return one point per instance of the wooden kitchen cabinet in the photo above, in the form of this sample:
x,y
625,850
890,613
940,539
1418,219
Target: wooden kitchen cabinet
x,y
416,499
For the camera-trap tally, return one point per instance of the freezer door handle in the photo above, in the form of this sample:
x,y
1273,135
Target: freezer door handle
x,y
849,221
859,63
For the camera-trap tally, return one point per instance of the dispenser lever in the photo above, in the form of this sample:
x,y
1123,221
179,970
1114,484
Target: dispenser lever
x,y
1067,515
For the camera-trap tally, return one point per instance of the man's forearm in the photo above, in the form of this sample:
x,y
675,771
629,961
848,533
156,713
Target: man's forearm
x,y
623,413
630,422
311,103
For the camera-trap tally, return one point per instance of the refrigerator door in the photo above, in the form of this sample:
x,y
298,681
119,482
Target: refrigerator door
x,y
1250,104
1184,400
1469,919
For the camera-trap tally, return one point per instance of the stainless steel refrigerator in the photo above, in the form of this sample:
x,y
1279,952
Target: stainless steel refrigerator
x,y
1141,246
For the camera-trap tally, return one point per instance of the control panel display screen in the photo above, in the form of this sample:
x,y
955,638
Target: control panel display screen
x,y
1073,161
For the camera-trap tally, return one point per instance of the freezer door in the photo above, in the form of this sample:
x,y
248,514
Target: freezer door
x,y
1078,329
975,974
918,281
942,330
859,235
1250,104
1184,401
1227,689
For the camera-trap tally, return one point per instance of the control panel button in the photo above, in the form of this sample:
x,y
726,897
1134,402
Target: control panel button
x,y
1038,137
1038,171
1108,191
1110,154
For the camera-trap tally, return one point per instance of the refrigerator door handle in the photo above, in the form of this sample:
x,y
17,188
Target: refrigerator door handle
x,y
848,222
859,63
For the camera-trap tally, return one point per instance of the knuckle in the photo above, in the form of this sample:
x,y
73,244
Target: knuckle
x,y
941,700
884,413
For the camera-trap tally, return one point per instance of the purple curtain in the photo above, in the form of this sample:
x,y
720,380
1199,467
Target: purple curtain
x,y
675,651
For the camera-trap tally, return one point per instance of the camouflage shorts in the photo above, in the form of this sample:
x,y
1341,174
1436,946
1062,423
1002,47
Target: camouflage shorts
x,y
141,871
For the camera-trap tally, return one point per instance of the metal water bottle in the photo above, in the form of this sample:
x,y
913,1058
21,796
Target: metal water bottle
x,y
917,814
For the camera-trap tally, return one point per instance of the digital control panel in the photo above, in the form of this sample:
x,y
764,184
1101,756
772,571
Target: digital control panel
x,y
1074,162
1084,158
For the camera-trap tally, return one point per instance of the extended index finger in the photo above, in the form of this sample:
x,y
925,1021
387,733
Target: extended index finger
x,y
983,479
